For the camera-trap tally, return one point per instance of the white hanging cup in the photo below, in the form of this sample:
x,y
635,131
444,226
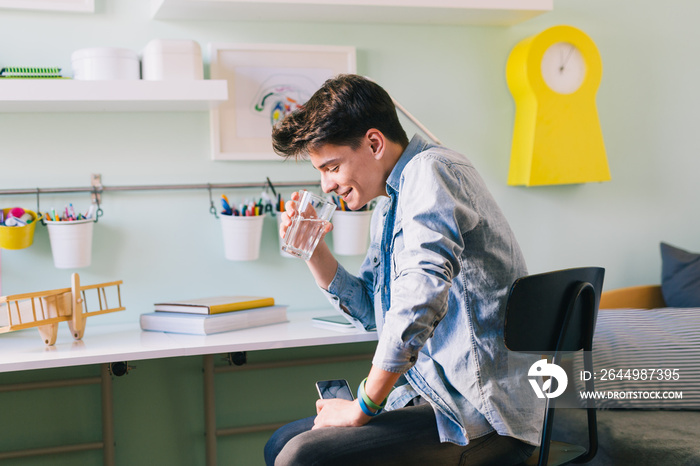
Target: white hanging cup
x,y
71,243
351,232
242,236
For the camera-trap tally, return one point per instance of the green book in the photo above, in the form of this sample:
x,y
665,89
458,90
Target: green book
x,y
30,72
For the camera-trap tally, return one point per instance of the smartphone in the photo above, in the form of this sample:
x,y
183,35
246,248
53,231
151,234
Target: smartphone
x,y
334,389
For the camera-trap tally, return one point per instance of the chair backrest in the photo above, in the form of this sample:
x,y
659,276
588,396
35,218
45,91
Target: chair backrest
x,y
553,313
553,309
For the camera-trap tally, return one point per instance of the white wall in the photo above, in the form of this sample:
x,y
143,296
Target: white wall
x,y
166,245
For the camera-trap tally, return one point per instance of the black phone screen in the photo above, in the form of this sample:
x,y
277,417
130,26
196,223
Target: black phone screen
x,y
334,389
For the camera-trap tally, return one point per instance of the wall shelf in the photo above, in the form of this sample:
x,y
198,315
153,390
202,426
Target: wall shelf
x,y
67,95
459,12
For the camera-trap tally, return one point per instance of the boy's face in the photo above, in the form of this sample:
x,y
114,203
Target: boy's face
x,y
356,175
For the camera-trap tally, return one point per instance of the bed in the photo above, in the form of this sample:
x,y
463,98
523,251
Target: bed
x,y
632,433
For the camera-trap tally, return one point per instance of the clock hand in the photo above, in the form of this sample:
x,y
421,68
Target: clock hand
x,y
563,65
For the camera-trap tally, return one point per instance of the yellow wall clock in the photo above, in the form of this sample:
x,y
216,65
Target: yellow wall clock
x,y
553,77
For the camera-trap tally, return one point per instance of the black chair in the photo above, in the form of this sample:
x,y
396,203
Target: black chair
x,y
551,314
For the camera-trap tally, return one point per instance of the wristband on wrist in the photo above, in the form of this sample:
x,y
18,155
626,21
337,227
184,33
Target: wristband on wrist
x,y
364,407
366,402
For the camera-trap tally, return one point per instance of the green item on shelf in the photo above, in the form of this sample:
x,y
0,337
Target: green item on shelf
x,y
30,72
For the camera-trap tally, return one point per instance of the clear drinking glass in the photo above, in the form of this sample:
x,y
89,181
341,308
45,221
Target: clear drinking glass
x,y
302,236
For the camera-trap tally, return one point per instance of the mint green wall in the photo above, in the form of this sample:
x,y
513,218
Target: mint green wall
x,y
166,245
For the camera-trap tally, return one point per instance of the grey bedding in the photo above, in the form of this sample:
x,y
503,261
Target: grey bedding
x,y
635,437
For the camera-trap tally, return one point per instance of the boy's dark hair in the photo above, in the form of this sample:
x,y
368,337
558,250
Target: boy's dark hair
x,y
339,113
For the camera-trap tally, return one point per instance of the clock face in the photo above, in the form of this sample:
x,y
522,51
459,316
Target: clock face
x,y
563,68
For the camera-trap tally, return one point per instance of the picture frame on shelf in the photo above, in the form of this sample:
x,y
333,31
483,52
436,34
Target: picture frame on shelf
x,y
265,83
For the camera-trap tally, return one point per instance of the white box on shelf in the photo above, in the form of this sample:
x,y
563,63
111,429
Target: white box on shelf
x,y
169,59
105,63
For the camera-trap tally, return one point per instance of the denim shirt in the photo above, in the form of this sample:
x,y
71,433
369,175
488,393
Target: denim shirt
x,y
435,281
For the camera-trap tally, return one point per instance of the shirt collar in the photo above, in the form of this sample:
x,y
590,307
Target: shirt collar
x,y
416,146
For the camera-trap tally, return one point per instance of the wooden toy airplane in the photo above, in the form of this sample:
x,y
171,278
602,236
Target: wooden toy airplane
x,y
45,309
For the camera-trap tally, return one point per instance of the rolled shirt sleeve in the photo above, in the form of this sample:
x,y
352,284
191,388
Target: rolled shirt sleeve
x,y
349,295
357,296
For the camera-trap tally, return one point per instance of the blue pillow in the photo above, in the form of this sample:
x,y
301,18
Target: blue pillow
x,y
680,277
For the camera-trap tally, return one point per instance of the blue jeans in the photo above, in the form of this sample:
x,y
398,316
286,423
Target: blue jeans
x,y
406,436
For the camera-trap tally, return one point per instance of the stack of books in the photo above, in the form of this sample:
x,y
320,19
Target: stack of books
x,y
205,316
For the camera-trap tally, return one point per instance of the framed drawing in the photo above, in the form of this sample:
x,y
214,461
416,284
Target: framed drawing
x,y
265,83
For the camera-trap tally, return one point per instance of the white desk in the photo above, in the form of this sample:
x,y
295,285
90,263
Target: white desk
x,y
24,350
105,344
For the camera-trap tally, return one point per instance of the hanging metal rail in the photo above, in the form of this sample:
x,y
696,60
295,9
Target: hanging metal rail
x,y
98,188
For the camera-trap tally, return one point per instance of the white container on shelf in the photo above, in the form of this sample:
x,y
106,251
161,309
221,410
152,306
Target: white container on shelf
x,y
105,63
170,59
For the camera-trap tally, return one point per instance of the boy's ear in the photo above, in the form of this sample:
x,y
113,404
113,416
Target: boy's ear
x,y
377,142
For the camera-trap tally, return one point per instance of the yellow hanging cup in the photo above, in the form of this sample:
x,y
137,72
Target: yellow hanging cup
x,y
17,237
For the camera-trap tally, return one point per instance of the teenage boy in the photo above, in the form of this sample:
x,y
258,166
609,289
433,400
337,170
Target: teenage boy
x,y
434,282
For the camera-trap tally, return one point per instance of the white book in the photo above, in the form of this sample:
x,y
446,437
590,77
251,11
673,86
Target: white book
x,y
205,324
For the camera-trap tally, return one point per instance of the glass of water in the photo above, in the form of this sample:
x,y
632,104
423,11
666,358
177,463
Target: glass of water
x,y
302,236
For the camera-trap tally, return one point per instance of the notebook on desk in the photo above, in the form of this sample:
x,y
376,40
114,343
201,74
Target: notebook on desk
x,y
207,324
216,304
